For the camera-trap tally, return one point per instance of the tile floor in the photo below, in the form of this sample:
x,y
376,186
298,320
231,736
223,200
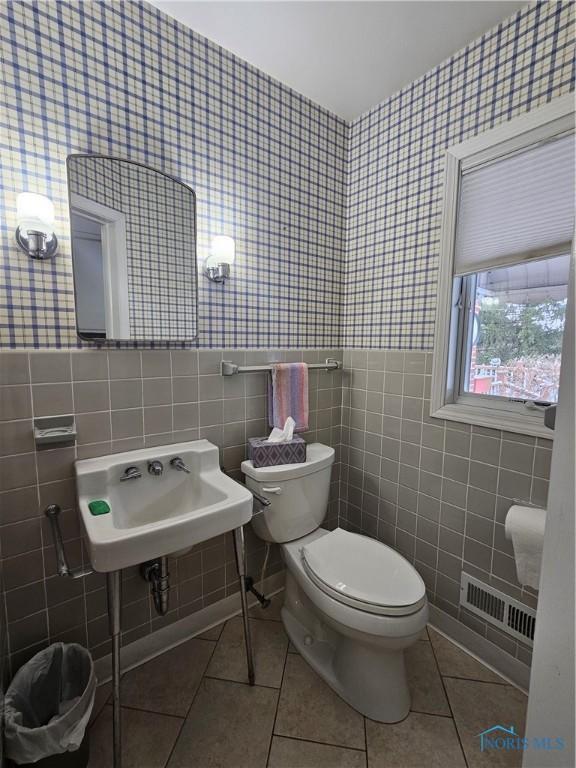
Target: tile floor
x,y
192,708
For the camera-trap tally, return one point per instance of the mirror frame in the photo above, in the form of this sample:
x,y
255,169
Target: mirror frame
x,y
102,342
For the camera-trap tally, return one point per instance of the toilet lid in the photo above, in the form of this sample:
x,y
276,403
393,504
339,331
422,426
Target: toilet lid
x,y
364,573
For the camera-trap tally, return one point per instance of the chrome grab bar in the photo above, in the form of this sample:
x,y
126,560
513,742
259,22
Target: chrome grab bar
x,y
52,512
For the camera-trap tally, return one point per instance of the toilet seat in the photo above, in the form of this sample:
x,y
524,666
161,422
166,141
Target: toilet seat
x,y
363,573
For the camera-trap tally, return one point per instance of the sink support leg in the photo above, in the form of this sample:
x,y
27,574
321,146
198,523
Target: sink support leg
x,y
114,585
241,565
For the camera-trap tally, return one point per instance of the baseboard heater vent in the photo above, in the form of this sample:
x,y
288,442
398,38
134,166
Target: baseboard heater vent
x,y
494,606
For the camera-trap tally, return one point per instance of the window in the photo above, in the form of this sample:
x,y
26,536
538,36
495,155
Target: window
x,y
508,224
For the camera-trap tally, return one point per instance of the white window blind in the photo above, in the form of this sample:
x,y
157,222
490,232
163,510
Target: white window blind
x,y
516,208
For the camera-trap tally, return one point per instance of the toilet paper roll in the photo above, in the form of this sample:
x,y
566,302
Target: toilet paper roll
x,y
525,526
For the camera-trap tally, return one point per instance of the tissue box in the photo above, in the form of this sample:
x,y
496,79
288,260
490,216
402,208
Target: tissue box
x,y
265,454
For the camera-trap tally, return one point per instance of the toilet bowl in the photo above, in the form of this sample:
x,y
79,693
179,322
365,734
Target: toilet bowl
x,y
352,604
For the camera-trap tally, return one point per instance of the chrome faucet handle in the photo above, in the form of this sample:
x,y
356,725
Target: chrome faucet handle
x,y
130,473
155,467
178,464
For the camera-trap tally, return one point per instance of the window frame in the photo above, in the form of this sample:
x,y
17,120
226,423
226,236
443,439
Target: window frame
x,y
447,401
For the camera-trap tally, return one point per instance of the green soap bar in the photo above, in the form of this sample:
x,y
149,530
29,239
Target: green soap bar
x,y
99,507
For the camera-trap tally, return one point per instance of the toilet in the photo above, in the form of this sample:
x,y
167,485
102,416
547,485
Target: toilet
x,y
352,604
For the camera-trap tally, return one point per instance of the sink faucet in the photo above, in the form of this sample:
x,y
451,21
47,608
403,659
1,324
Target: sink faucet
x,y
130,473
155,467
178,464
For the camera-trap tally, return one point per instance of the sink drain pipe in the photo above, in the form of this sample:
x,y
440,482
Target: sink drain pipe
x,y
156,572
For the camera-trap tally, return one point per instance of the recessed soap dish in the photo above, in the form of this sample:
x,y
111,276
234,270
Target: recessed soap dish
x,y
54,430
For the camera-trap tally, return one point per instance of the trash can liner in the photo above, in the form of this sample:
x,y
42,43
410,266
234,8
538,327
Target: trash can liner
x,y
49,702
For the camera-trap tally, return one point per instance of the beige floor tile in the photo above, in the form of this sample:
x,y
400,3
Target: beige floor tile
x,y
270,644
309,709
147,739
454,662
292,648
478,706
211,634
229,726
292,753
418,741
102,695
426,688
167,684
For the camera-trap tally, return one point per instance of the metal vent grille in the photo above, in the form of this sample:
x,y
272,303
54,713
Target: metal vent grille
x,y
496,607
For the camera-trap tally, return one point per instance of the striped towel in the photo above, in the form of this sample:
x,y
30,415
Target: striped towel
x,y
288,395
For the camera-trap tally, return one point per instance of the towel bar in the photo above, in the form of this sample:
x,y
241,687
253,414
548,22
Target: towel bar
x,y
228,368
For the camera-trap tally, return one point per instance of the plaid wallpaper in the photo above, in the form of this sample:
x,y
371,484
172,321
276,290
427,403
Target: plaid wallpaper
x,y
267,166
160,236
396,166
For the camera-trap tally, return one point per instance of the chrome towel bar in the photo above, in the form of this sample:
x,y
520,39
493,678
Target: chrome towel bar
x,y
227,368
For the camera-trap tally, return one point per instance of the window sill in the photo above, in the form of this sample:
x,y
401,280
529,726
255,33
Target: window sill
x,y
494,418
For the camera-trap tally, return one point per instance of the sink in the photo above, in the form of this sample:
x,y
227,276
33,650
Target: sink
x,y
155,515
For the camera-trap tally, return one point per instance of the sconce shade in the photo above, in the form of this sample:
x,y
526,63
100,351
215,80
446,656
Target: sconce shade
x,y
35,230
222,250
221,256
35,212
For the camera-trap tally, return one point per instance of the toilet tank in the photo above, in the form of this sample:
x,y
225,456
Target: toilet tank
x,y
298,494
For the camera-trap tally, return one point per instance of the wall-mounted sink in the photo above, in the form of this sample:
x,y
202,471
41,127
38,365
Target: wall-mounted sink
x,y
151,515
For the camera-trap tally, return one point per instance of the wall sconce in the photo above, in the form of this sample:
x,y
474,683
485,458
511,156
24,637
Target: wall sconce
x,y
222,253
35,231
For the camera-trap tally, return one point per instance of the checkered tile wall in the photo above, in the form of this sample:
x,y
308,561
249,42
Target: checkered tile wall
x,y
267,166
396,165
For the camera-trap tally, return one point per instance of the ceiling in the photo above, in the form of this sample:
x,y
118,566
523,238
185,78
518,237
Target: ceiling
x,y
346,56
